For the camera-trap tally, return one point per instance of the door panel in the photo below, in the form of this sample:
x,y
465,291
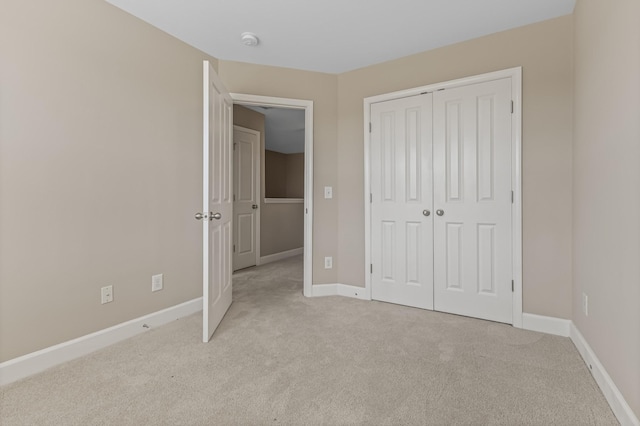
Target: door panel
x,y
460,259
401,184
217,202
246,179
472,186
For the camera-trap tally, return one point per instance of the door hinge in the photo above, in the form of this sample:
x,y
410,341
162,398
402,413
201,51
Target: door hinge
x,y
371,197
512,286
234,145
234,197
234,248
371,268
370,127
511,197
306,211
511,107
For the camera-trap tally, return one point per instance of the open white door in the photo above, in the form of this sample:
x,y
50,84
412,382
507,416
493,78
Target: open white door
x,y
217,201
246,198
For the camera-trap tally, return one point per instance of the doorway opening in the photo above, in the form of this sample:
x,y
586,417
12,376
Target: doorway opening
x,y
278,196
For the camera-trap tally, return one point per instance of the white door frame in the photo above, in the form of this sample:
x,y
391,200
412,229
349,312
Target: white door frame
x,y
516,169
307,106
258,183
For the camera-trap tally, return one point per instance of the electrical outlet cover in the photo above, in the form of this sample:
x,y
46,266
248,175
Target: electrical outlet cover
x,y
328,262
156,282
106,294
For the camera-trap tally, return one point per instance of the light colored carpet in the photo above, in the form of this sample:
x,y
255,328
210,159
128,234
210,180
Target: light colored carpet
x,y
280,358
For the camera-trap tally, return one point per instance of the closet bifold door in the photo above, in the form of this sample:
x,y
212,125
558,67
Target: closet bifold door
x,y
401,201
472,200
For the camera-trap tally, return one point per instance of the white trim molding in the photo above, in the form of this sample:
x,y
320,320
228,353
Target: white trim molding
x,y
279,256
544,324
307,106
36,362
284,200
515,74
612,394
321,290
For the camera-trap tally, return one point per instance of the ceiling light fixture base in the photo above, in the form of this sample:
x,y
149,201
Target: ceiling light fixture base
x,y
249,39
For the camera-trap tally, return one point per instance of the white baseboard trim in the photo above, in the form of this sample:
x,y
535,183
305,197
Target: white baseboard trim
x,y
319,290
616,401
279,256
549,325
35,362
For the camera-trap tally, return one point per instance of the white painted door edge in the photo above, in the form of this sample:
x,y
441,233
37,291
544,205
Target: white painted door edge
x,y
516,85
307,106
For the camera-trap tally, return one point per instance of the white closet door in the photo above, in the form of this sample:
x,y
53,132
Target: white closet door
x,y
472,191
401,216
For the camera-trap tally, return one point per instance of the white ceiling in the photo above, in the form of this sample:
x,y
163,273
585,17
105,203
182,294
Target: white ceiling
x,y
284,129
335,36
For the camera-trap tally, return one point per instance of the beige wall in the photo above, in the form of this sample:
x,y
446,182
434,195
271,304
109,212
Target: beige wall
x,y
100,170
544,52
295,175
322,89
606,202
275,174
284,175
281,225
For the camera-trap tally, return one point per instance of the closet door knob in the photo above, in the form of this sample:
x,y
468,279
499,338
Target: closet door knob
x,y
426,212
440,212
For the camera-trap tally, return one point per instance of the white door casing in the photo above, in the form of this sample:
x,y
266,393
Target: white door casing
x,y
307,106
401,201
472,198
217,201
246,190
489,231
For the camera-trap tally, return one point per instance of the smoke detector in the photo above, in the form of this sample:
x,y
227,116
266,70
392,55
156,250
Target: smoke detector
x,y
249,39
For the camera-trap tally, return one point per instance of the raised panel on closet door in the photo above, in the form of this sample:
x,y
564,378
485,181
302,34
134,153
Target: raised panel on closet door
x,y
472,195
401,184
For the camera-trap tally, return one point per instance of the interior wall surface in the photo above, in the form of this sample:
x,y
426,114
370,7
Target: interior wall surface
x,y
283,227
320,88
100,170
275,174
606,202
544,50
295,175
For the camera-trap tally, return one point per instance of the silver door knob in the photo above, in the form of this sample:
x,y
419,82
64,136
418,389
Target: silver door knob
x,y
200,216
426,212
255,206
440,212
216,216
